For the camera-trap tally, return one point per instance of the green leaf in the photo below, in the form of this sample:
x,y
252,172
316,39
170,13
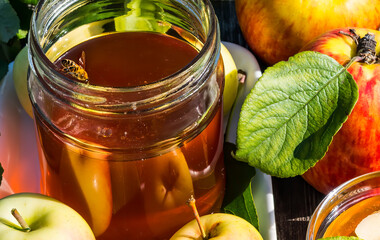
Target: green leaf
x,y
32,2
9,23
238,199
21,34
244,207
9,51
24,12
340,238
289,119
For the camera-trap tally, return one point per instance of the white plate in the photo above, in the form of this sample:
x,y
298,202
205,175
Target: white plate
x,y
262,183
18,147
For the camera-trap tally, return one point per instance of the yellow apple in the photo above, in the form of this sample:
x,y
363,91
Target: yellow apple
x,y
167,187
218,226
92,176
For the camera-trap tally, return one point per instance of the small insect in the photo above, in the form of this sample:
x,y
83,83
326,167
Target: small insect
x,y
75,70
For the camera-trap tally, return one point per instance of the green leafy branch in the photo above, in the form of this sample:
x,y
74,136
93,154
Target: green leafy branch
x,y
14,26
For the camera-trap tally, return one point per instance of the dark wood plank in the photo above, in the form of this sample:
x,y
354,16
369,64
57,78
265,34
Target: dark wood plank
x,y
294,199
229,27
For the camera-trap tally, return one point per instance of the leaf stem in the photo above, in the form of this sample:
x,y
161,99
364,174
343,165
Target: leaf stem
x,y
191,203
20,220
354,59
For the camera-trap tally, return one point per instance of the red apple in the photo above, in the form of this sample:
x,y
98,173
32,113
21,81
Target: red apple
x,y
355,149
278,29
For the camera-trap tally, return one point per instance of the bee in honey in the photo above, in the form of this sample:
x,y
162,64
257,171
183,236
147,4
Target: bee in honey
x,y
75,70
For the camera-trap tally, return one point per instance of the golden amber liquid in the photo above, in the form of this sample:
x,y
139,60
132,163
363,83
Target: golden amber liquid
x,y
119,196
345,224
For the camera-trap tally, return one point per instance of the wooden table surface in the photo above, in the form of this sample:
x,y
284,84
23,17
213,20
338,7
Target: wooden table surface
x,y
294,199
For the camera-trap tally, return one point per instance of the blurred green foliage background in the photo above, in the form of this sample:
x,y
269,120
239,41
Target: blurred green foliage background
x,y
15,18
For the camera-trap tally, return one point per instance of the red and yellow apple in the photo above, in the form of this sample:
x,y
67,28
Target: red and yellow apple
x,y
355,149
278,29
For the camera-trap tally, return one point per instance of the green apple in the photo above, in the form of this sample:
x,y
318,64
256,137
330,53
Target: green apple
x,y
20,72
47,218
143,16
218,226
231,81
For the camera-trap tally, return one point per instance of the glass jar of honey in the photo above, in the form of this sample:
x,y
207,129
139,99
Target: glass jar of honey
x,y
127,99
345,207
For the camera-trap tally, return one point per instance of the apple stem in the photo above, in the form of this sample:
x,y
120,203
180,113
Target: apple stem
x,y
354,59
366,48
242,75
20,220
191,203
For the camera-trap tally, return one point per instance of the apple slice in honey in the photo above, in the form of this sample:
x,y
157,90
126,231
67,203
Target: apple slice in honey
x,y
368,228
168,186
91,176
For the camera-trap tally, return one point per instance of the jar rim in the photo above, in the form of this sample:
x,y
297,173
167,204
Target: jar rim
x,y
331,198
207,45
185,102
